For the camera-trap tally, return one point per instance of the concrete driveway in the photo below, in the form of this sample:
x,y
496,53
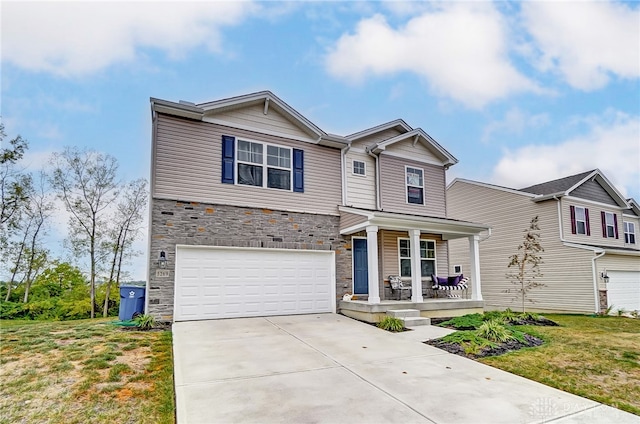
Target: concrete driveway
x,y
331,369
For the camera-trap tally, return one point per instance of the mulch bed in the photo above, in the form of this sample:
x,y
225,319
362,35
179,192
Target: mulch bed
x,y
505,347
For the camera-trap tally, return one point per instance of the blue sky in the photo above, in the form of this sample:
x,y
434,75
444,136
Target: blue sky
x,y
520,93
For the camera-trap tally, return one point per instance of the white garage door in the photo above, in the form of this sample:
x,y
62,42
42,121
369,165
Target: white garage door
x,y
623,290
227,282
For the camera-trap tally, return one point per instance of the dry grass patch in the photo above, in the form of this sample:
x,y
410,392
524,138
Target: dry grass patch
x,y
597,358
84,371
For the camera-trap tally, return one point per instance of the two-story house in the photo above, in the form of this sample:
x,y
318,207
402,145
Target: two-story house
x,y
257,211
591,258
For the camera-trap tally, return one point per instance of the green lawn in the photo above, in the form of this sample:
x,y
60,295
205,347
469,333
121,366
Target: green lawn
x,y
597,358
84,371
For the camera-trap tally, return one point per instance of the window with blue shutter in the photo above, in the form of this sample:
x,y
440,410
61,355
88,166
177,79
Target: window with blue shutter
x,y
298,171
228,159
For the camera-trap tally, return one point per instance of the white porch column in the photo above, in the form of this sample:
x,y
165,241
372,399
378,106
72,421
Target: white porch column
x,y
474,257
416,268
372,263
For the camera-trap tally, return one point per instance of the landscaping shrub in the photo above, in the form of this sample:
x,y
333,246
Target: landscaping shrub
x,y
391,324
144,322
495,331
466,322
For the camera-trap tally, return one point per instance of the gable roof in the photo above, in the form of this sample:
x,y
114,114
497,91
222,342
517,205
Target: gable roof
x,y
417,135
209,110
397,124
557,186
565,186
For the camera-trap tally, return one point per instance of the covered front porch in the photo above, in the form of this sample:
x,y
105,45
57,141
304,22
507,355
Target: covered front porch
x,y
412,247
429,308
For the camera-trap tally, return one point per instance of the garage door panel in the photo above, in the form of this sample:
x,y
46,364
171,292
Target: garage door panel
x,y
227,282
623,290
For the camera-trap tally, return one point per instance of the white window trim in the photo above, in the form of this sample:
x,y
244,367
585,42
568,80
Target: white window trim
x,y
435,258
353,168
631,231
606,224
264,164
406,186
584,213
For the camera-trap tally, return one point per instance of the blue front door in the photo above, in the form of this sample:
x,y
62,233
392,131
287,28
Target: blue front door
x,y
360,267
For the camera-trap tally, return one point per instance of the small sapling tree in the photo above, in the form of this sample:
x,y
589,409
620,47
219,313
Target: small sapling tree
x,y
527,264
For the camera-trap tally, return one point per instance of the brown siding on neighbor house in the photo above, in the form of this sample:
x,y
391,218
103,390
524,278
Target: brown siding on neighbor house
x,y
591,190
394,190
567,271
595,223
254,117
189,166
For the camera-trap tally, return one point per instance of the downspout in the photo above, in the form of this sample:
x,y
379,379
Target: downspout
x,y
343,165
154,131
595,280
378,203
560,219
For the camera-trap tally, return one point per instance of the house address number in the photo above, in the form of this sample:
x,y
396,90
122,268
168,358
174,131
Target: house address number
x,y
162,272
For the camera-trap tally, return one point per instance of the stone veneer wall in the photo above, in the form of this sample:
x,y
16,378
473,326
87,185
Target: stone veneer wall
x,y
175,222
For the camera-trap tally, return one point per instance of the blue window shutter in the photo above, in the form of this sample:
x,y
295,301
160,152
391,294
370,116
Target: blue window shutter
x,y
228,159
298,171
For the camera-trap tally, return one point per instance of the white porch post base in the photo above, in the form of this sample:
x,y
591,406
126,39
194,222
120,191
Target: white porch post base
x,y
416,269
372,263
474,256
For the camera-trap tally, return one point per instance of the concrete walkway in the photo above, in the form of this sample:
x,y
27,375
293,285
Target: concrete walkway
x,y
331,369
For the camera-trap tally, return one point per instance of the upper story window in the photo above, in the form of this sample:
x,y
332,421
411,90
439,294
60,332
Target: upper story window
x,y
580,220
609,225
359,168
427,257
415,185
629,232
256,168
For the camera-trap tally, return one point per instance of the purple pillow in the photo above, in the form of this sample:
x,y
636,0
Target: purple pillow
x,y
453,281
443,281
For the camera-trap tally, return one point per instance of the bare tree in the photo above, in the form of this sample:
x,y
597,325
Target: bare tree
x,y
527,263
86,183
125,229
15,187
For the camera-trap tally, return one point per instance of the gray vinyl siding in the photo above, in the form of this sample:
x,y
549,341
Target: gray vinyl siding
x,y
361,189
394,190
567,271
349,220
591,190
374,138
595,223
188,167
254,117
419,151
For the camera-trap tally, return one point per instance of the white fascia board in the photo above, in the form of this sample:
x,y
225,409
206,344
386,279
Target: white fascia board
x,y
491,186
539,198
379,128
260,130
606,184
176,109
424,138
595,203
274,101
581,246
622,252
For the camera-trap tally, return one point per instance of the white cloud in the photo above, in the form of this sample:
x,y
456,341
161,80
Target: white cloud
x,y
586,42
611,145
76,38
515,121
461,49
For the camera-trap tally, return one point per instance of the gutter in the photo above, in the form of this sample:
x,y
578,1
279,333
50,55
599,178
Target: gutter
x,y
154,131
378,206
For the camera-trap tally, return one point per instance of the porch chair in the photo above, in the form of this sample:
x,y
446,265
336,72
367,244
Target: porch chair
x,y
396,284
450,284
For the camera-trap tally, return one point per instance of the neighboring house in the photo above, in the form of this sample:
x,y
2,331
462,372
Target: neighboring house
x,y
256,211
589,235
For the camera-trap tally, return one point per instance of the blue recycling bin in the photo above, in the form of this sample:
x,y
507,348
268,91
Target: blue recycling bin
x,y
131,301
